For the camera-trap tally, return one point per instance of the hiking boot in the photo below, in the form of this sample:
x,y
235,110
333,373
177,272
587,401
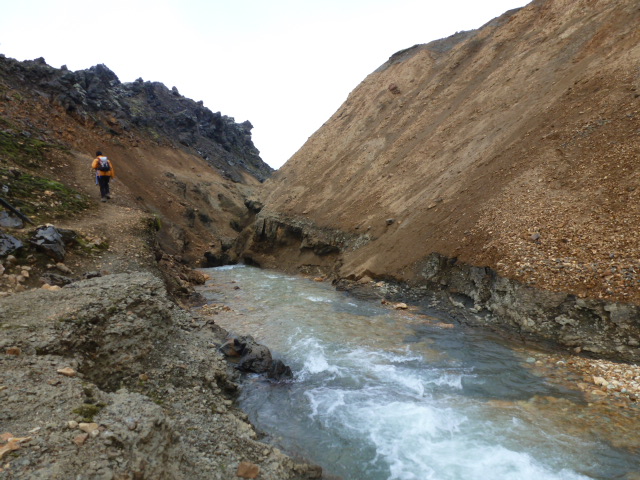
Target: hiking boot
x,y
108,197
103,199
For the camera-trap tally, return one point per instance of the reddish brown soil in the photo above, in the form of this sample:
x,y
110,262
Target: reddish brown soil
x,y
193,203
516,148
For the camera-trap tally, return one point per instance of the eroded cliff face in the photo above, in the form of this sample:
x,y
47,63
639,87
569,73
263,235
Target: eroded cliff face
x,y
513,148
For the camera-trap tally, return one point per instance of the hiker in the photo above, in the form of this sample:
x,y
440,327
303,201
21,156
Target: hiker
x,y
104,173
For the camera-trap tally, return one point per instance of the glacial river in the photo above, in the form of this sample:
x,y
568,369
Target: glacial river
x,y
394,395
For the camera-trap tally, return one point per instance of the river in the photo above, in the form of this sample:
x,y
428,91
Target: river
x,y
385,394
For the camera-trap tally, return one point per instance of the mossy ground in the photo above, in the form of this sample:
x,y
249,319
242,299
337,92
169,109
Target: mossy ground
x,y
23,149
40,198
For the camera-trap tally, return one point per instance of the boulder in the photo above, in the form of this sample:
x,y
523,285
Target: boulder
x,y
9,221
9,244
49,240
254,357
279,370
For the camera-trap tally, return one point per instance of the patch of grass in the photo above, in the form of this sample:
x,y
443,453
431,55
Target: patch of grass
x,y
87,411
92,245
154,223
22,149
39,197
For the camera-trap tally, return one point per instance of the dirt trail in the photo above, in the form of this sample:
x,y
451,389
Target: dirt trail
x,y
119,222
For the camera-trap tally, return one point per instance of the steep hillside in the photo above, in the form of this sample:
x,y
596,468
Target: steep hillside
x,y
514,147
192,168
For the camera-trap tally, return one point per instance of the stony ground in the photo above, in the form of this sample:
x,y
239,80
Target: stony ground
x,y
109,378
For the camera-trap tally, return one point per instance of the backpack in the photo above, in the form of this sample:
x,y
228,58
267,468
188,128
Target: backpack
x,y
103,164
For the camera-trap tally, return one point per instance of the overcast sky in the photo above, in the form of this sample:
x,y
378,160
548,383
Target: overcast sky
x,y
284,65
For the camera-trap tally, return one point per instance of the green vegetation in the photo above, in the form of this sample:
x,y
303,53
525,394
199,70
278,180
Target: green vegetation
x,y
87,411
154,223
23,150
38,197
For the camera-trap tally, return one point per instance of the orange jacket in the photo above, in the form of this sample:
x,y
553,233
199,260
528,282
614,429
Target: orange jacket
x,y
96,164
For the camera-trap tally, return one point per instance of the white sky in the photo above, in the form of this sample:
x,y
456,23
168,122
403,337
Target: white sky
x,y
284,65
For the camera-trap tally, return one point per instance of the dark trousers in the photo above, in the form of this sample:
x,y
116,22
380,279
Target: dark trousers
x,y
103,181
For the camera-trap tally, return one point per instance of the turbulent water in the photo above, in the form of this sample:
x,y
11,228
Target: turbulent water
x,y
382,394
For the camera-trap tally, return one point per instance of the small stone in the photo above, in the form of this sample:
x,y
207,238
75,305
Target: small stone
x,y
531,360
63,268
72,424
79,440
390,221
67,372
131,423
143,377
88,427
400,306
248,470
600,381
14,351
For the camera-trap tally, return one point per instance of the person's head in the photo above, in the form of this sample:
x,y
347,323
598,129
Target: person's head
x,y
98,153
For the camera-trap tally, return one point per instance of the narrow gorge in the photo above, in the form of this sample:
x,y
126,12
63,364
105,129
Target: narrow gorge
x,y
453,253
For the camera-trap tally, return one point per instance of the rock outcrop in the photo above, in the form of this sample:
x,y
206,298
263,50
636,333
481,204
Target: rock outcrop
x,y
96,95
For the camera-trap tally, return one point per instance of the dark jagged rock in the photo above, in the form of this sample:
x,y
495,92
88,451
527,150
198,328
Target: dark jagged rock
x,y
9,244
50,241
254,357
279,370
9,221
56,279
96,95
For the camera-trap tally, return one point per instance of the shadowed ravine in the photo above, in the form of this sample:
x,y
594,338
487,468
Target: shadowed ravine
x,y
385,394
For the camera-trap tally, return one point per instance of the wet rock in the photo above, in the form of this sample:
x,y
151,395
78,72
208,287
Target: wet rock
x,y
9,244
232,348
256,358
279,370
